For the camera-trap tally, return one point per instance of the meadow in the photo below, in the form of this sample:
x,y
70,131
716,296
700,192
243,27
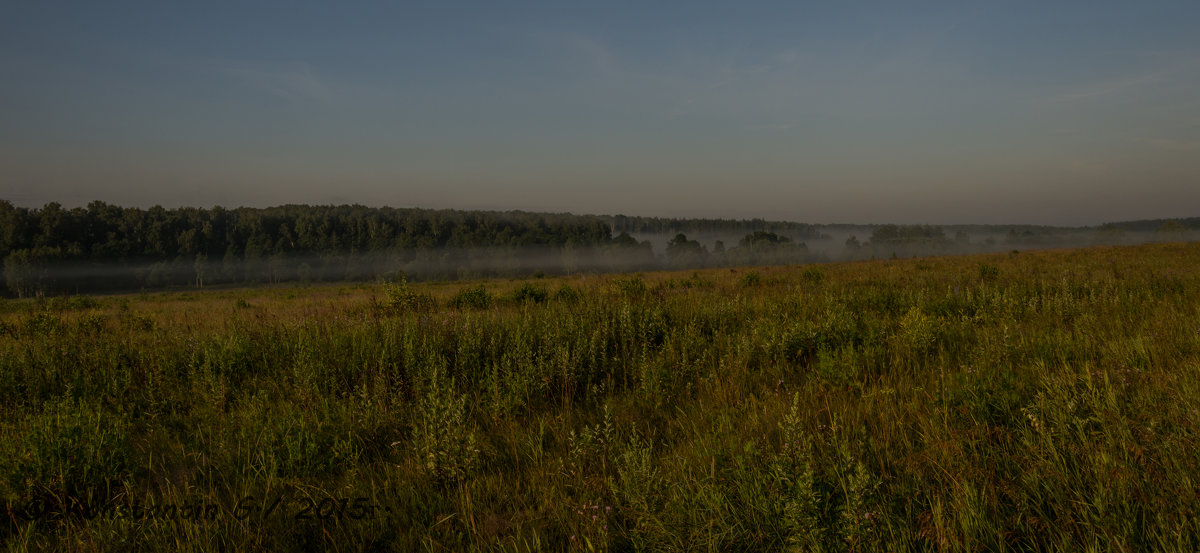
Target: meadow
x,y
1023,401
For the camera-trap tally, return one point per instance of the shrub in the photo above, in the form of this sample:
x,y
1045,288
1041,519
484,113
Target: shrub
x,y
567,294
630,287
401,297
813,275
918,331
476,297
83,302
530,293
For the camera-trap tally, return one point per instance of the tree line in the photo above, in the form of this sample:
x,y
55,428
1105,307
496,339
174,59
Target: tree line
x,y
104,247
108,247
661,225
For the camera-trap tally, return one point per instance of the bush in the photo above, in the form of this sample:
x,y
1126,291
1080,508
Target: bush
x,y
83,302
630,287
476,297
401,297
530,293
917,332
567,294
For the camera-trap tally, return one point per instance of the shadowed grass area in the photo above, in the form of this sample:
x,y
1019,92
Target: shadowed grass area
x,y
1042,401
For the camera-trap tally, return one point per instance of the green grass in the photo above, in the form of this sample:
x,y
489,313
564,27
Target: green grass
x,y
1039,401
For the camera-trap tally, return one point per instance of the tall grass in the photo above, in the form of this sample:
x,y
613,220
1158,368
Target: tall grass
x,y
1035,401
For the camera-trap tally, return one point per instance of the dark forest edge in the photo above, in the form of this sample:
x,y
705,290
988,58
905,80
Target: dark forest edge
x,y
107,248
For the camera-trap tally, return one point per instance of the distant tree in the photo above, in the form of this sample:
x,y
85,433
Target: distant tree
x,y
682,252
624,239
762,240
761,247
852,245
11,219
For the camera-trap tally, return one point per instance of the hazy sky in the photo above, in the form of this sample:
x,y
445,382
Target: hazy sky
x,y
922,112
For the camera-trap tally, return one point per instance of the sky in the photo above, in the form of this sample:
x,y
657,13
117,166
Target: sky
x,y
1063,112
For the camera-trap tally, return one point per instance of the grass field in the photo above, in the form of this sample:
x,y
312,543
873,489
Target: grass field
x,y
1044,400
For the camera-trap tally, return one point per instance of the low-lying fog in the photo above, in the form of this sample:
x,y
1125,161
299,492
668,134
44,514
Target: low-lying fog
x,y
651,252
961,239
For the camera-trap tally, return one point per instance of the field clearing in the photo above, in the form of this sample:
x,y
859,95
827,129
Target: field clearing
x,y
1035,400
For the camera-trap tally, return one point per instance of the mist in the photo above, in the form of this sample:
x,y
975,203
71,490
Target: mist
x,y
834,243
413,265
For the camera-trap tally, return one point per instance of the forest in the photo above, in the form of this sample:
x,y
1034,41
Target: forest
x,y
107,248
103,247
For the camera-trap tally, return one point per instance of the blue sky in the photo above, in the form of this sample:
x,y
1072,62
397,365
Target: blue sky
x,y
913,112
